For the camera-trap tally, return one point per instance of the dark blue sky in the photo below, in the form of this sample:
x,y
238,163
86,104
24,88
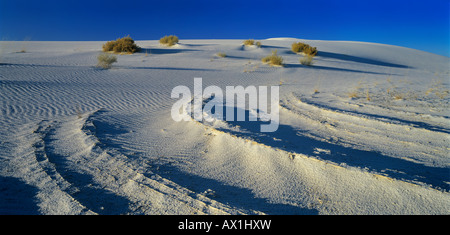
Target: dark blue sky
x,y
422,25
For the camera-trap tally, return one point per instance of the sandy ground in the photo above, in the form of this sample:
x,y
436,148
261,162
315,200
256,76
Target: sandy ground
x,y
365,130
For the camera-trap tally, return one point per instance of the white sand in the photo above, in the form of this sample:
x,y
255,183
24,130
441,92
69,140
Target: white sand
x,y
76,139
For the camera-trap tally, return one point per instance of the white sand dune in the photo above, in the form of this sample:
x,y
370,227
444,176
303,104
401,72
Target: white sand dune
x,y
365,130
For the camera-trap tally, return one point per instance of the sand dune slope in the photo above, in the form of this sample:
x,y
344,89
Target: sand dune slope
x,y
365,130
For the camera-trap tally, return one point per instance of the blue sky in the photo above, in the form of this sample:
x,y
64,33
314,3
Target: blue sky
x,y
422,25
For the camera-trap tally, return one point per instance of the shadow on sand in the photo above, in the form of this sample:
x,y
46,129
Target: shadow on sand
x,y
169,68
359,59
344,57
294,140
233,196
332,69
229,195
17,197
163,51
82,186
273,47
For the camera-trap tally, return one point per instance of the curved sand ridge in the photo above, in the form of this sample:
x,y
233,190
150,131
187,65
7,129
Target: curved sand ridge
x,y
314,145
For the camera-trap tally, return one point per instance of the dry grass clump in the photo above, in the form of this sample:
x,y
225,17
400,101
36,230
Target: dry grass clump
x,y
299,47
352,94
273,60
249,42
357,91
307,60
169,40
221,54
121,45
438,89
309,50
106,60
368,98
397,95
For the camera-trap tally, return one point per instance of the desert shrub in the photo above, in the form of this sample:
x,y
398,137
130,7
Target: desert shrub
x,y
126,45
299,47
258,44
109,46
273,60
249,42
106,60
221,54
352,94
307,60
121,45
169,40
309,50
